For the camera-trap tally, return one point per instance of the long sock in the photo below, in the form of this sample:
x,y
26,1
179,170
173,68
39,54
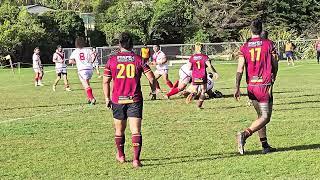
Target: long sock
x,y
247,133
264,142
176,84
89,93
173,91
120,141
169,84
36,79
137,144
157,85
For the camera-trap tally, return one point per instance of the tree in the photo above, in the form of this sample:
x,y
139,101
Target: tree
x,y
125,16
17,26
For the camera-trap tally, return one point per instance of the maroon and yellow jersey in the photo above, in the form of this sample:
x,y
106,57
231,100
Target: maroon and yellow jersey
x,y
126,69
258,54
198,67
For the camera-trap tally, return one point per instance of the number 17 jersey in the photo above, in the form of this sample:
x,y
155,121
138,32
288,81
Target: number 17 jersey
x,y
126,69
258,55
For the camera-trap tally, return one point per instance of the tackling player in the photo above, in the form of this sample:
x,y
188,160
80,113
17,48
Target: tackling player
x,y
125,69
257,55
184,80
198,63
82,58
61,68
161,67
37,67
95,62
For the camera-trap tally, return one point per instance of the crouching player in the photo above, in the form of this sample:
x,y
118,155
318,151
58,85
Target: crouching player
x,y
198,63
125,69
61,68
257,55
82,58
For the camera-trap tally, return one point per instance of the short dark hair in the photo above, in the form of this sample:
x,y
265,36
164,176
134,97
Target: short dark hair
x,y
59,46
264,34
126,41
80,42
256,27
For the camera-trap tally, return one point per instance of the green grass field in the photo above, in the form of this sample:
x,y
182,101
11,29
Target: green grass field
x,y
55,135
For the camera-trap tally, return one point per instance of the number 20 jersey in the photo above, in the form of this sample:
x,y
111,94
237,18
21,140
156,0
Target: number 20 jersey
x,y
258,55
126,69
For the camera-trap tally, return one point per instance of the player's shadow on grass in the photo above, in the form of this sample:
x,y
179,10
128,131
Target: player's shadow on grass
x,y
292,148
186,159
208,157
298,102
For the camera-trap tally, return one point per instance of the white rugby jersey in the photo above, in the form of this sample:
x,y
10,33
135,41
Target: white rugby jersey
x,y
186,69
82,58
59,60
158,57
36,61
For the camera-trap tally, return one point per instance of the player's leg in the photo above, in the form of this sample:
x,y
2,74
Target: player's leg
x,y
157,75
166,79
36,78
135,119
56,81
85,77
318,56
41,74
263,95
98,71
120,124
66,82
180,86
202,96
292,60
210,93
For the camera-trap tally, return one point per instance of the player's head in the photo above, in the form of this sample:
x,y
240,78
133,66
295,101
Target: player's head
x,y
94,49
126,41
36,50
198,47
80,42
256,27
156,48
59,48
264,34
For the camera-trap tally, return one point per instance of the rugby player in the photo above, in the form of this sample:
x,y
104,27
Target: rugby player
x,y
289,48
125,69
61,68
184,80
83,59
257,55
198,63
196,90
162,68
37,67
95,62
317,46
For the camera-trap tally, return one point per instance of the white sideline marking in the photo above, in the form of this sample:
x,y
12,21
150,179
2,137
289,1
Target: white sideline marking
x,y
39,115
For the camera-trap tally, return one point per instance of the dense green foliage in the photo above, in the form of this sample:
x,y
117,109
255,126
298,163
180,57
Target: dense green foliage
x,y
55,135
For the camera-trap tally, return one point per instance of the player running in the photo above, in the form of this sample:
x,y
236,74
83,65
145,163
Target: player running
x,y
125,70
61,68
37,67
82,58
95,62
257,56
161,67
198,63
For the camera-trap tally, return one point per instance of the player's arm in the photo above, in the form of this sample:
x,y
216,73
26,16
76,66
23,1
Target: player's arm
x,y
151,78
93,57
107,77
240,69
212,69
54,58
